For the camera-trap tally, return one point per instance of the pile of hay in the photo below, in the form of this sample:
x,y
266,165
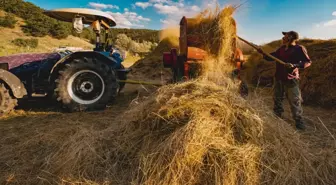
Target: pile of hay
x,y
201,133
190,133
315,81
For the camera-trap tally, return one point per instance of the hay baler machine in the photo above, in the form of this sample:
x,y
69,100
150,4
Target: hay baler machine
x,y
186,62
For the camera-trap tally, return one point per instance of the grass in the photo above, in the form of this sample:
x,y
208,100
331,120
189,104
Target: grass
x,y
45,44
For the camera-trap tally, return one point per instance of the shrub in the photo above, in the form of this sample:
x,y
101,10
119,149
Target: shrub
x,y
33,43
60,30
8,21
37,27
126,43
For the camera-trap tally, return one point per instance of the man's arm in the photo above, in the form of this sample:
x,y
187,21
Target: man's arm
x,y
304,58
274,54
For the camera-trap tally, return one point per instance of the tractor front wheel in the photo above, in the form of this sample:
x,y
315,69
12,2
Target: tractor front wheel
x,y
85,85
7,102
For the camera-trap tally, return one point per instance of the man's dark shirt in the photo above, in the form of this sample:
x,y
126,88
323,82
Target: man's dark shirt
x,y
294,54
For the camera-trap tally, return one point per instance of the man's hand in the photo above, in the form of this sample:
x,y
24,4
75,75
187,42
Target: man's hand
x,y
294,75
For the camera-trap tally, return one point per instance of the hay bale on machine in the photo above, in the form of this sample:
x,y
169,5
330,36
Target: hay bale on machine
x,y
210,30
215,32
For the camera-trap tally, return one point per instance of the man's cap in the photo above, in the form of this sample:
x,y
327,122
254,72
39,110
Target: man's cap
x,y
294,34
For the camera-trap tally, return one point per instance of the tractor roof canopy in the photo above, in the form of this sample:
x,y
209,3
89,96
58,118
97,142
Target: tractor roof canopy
x,y
89,15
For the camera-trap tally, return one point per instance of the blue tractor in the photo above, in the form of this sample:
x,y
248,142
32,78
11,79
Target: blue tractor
x,y
80,81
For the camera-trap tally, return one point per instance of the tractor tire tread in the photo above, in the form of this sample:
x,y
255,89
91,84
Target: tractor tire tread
x,y
108,75
7,101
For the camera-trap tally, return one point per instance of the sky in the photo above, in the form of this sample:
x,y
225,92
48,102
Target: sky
x,y
259,21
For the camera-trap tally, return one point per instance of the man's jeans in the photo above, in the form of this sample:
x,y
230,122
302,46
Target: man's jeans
x,y
292,91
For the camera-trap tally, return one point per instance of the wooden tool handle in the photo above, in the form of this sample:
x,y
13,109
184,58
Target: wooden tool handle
x,y
258,48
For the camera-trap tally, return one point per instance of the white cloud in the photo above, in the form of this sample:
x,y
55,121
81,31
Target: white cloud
x,y
143,5
126,9
143,18
166,9
195,8
169,22
173,10
159,1
101,6
129,19
322,30
330,23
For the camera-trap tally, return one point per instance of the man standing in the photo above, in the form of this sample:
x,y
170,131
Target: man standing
x,y
287,76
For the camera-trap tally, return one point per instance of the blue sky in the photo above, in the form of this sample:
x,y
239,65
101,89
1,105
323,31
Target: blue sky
x,y
259,21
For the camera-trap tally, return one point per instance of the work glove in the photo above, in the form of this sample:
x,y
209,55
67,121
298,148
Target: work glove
x,y
289,66
292,66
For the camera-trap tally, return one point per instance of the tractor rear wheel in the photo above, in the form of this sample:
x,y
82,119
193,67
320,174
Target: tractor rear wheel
x,y
7,102
86,85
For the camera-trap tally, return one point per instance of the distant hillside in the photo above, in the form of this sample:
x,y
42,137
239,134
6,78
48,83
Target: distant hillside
x,y
45,44
138,35
36,23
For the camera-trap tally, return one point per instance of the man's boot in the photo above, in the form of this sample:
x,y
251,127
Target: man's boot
x,y
278,114
300,125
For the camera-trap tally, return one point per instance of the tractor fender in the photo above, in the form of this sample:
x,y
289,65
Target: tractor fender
x,y
77,55
14,83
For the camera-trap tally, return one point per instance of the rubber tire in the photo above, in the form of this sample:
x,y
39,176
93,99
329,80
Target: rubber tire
x,y
122,76
7,102
108,75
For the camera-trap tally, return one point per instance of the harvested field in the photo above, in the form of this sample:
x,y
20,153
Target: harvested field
x,y
192,133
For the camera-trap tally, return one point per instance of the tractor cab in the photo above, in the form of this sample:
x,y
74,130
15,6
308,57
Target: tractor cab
x,y
100,22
